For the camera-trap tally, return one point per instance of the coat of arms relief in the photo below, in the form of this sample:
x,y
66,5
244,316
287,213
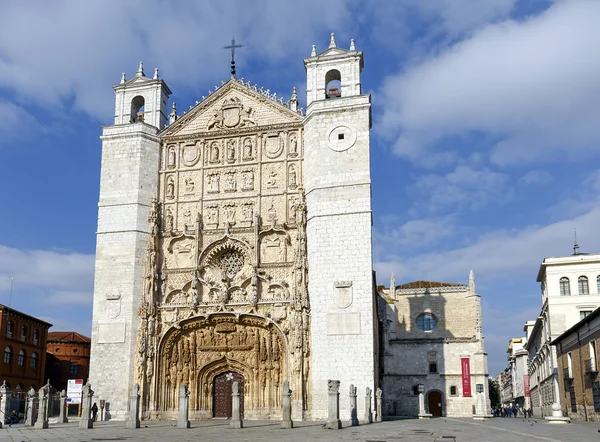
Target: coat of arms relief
x,y
232,114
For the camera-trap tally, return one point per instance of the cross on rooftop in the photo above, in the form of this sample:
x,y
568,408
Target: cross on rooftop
x,y
232,46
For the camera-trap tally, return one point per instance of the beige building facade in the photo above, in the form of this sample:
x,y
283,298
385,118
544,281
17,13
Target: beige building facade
x,y
234,244
431,335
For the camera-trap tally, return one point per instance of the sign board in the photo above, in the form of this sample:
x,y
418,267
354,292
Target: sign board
x,y
466,376
526,385
74,387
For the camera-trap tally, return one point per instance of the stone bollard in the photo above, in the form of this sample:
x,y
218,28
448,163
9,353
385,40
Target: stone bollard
x,y
184,403
286,421
43,395
62,417
32,405
557,416
368,412
5,395
236,421
353,410
134,408
87,394
379,407
333,409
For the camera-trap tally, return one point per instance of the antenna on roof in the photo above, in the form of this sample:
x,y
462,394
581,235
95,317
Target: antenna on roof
x,y
575,245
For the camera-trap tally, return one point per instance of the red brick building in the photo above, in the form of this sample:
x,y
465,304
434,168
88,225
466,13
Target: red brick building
x,y
23,346
68,358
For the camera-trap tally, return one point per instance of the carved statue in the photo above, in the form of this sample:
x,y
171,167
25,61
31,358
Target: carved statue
x,y
231,150
170,188
272,180
214,152
248,148
292,177
171,162
293,144
169,220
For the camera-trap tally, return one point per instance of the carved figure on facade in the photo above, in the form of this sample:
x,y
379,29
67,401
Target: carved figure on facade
x,y
169,220
171,157
248,149
293,145
230,213
213,182
272,179
247,210
189,186
230,182
170,188
292,177
231,146
214,152
248,179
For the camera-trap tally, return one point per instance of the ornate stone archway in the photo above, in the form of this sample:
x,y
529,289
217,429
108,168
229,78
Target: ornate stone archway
x,y
205,347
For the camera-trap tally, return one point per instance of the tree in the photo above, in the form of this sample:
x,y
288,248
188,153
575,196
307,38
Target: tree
x,y
494,393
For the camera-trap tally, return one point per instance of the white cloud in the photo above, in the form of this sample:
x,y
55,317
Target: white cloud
x,y
464,187
529,86
66,51
12,119
48,283
535,177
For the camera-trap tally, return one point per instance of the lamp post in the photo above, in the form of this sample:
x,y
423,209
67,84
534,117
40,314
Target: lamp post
x,y
422,413
102,404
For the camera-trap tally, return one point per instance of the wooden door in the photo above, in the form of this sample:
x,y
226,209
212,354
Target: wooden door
x,y
222,394
434,402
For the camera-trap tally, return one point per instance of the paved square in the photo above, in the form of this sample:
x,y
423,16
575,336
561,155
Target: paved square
x,y
434,430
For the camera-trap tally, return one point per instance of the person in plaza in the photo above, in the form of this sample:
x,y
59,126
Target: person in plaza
x,y
94,412
13,418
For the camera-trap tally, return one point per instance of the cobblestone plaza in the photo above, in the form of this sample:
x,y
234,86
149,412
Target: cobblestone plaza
x,y
434,430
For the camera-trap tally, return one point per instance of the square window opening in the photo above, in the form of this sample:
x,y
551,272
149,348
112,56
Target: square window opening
x,y
340,136
433,368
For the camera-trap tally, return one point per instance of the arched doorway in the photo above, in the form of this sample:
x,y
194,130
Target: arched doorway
x,y
222,393
434,403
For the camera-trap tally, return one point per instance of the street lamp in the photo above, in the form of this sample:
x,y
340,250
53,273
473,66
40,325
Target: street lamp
x,y
420,388
479,388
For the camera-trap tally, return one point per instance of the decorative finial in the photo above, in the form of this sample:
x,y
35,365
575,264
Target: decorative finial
x,y
293,103
313,53
155,74
123,78
575,245
352,48
332,41
392,285
173,114
140,71
472,282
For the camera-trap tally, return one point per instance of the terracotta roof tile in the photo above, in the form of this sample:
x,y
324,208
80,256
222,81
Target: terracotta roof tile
x,y
59,336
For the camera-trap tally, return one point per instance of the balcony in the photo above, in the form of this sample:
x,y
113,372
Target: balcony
x,y
567,374
590,366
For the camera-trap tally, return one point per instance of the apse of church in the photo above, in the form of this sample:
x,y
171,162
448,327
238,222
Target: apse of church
x,y
226,263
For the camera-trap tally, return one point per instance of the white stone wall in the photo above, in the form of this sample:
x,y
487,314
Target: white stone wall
x,y
129,176
338,197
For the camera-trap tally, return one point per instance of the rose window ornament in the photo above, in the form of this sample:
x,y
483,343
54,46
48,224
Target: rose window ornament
x,y
231,263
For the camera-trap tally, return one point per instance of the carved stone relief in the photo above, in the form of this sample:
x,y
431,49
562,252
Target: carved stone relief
x,y
247,176
229,209
214,152
293,149
170,192
191,153
212,182
230,184
212,214
248,149
231,151
171,157
273,248
292,177
272,145
233,113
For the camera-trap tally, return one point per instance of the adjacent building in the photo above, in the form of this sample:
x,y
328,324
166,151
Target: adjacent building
x,y
570,291
517,385
431,336
68,357
23,340
577,357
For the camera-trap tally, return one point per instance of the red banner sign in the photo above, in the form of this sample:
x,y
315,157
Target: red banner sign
x,y
526,385
465,364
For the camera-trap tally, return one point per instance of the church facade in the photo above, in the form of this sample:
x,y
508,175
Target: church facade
x,y
234,244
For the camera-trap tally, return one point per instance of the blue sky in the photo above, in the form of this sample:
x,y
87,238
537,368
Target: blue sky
x,y
485,140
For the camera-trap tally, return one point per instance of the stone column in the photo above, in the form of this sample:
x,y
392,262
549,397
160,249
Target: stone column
x,y
236,421
286,421
422,413
333,420
32,405
134,408
62,417
87,395
368,412
353,410
184,403
42,421
378,408
5,395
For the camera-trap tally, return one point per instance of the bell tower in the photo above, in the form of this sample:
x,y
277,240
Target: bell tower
x,y
339,240
128,183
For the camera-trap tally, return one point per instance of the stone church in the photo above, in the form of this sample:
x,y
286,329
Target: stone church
x,y
234,244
